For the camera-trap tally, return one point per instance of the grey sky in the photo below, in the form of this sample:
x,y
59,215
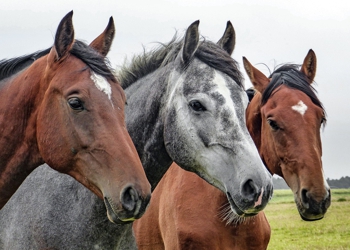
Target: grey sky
x,y
270,32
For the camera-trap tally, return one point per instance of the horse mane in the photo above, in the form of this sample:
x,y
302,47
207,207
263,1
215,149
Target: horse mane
x,y
291,76
250,93
9,67
96,62
208,52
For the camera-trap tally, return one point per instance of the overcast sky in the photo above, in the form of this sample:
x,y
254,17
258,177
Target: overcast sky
x,y
270,32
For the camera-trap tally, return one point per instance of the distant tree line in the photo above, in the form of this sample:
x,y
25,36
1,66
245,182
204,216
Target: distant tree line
x,y
343,182
279,183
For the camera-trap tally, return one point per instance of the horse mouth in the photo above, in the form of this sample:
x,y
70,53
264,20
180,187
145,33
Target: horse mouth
x,y
236,209
112,215
311,219
307,216
313,212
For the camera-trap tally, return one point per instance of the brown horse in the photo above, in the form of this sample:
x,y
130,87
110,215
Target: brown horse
x,y
284,118
67,109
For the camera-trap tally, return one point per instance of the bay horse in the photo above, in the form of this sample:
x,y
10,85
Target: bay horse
x,y
288,140
284,119
64,107
185,103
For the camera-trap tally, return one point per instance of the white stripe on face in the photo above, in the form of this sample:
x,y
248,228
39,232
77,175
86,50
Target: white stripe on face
x,y
300,108
102,84
325,180
224,91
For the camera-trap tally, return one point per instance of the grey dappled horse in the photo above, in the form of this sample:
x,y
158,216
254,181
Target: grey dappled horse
x,y
185,103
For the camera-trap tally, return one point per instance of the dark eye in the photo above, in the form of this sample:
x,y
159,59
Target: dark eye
x,y
324,120
75,103
197,106
273,124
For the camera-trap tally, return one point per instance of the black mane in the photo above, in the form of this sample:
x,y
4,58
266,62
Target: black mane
x,y
208,52
9,67
96,62
291,76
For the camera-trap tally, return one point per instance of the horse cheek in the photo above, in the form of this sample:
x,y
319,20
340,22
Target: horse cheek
x,y
52,140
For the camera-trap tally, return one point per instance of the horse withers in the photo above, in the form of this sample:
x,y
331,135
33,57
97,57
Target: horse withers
x,y
187,213
67,109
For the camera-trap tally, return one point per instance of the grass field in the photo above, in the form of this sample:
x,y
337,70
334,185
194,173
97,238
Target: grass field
x,y
290,232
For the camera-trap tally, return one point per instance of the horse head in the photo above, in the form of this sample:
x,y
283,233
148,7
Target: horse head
x,y
284,119
205,130
80,124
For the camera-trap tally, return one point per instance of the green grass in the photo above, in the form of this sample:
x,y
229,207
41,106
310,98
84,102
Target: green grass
x,y
290,232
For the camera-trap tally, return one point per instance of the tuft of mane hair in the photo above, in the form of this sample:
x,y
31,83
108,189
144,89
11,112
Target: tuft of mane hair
x,y
250,93
9,67
207,52
95,61
291,76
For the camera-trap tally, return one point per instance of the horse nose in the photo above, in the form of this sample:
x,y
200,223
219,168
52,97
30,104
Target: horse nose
x,y
311,205
255,195
305,198
132,202
249,190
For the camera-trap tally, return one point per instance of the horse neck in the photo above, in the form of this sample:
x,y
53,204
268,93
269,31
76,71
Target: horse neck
x,y
146,101
19,151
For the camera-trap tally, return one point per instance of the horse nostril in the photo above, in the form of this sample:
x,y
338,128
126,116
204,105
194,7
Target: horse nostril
x,y
129,199
305,198
249,190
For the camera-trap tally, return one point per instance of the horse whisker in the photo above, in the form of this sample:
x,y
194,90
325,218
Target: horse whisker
x,y
229,217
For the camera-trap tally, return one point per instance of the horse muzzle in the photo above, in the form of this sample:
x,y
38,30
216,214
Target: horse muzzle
x,y
131,206
251,199
311,210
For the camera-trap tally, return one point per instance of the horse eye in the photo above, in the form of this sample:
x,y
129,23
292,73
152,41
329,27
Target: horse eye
x,y
75,103
273,124
323,120
197,106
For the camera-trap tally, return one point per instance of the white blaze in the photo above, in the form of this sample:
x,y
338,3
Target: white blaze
x,y
224,91
300,107
102,84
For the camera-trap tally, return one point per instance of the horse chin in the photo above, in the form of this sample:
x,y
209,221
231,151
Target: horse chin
x,y
311,217
308,215
112,215
237,210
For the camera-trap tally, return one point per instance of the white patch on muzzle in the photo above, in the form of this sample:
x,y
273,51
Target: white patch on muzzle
x,y
325,180
259,201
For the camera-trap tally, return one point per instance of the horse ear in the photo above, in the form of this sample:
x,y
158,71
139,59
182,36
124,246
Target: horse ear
x,y
309,65
103,42
258,79
191,42
228,41
64,37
